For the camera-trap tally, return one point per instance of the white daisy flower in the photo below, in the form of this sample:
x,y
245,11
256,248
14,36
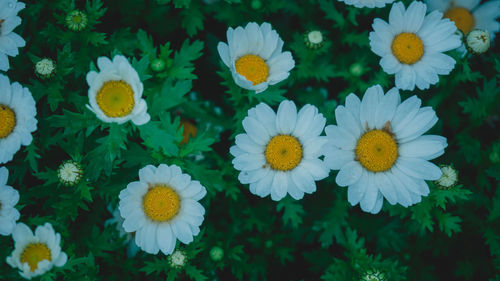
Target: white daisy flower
x,y
8,199
412,44
478,41
115,92
254,56
17,118
469,14
448,179
69,173
367,3
162,207
380,151
36,254
279,153
9,41
178,259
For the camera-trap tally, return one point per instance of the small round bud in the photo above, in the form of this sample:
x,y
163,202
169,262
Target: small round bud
x,y
373,275
269,243
313,39
177,259
45,68
256,4
216,253
448,179
69,173
158,65
356,69
478,41
76,20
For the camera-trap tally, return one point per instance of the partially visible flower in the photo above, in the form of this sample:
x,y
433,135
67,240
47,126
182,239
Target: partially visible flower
x,y
449,177
115,93
117,220
8,199
373,275
17,118
412,45
216,253
367,3
9,41
189,130
162,207
36,254
380,151
469,15
478,41
76,20
45,68
254,56
177,259
279,152
313,39
69,173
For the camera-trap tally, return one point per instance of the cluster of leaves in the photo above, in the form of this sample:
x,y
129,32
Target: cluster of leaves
x,y
450,233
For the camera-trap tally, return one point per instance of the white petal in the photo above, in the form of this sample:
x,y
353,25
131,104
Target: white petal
x,y
419,168
286,117
349,174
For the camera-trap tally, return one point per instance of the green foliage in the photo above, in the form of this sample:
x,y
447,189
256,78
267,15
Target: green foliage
x,y
450,235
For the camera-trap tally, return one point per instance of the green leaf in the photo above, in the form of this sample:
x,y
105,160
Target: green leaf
x,y
293,211
182,66
195,273
171,95
162,135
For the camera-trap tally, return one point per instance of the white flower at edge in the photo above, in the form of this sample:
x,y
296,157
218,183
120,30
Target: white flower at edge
x,y
115,93
469,14
412,44
117,220
36,254
279,152
162,207
379,150
8,199
254,56
17,118
367,3
9,41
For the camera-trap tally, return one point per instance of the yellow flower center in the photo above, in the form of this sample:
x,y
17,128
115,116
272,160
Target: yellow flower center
x,y
161,203
377,150
7,121
115,98
35,253
283,152
407,48
189,130
253,68
463,18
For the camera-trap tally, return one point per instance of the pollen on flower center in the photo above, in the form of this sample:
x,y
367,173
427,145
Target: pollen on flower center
x,y
253,68
463,18
408,48
283,152
7,121
161,203
35,253
377,150
115,98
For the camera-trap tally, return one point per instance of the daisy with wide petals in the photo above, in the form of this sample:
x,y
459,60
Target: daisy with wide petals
x,y
469,14
10,42
278,154
412,44
36,254
379,150
162,207
17,118
254,56
115,93
367,3
8,199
